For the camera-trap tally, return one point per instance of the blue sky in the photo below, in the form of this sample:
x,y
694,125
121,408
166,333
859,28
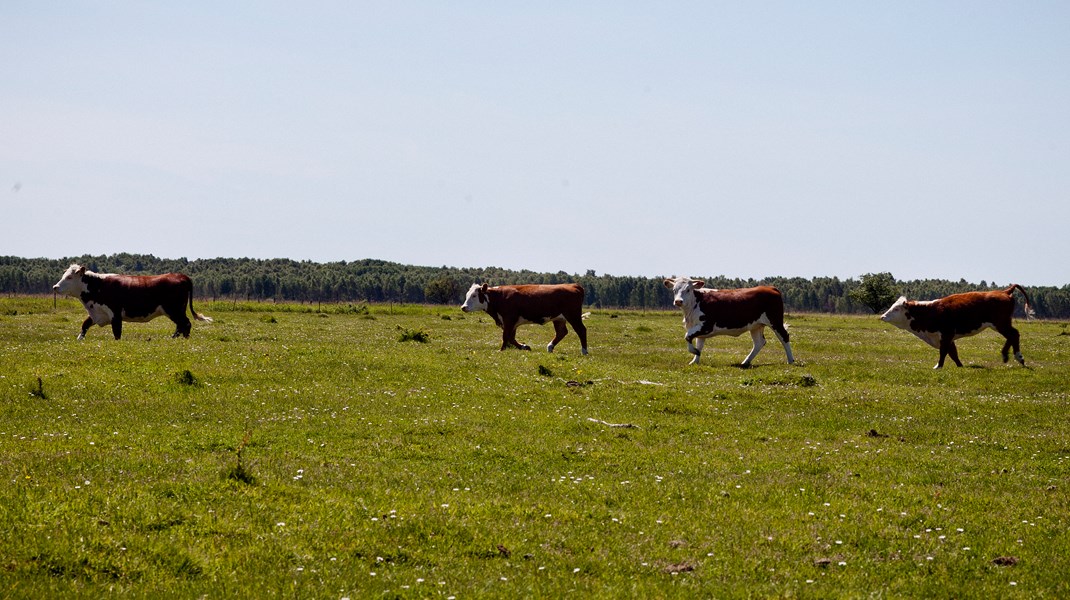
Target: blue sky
x,y
751,139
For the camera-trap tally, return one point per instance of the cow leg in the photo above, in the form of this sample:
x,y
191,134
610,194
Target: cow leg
x,y
782,335
758,336
560,331
1013,339
696,349
509,336
117,325
581,331
182,325
86,324
947,348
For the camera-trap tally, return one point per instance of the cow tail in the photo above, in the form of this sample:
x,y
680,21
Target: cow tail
x,y
1029,312
195,315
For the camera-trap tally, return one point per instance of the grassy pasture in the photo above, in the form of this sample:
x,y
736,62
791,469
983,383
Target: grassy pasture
x,y
283,452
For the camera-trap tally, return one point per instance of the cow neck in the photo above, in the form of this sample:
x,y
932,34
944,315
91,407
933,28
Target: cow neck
x,y
492,308
93,284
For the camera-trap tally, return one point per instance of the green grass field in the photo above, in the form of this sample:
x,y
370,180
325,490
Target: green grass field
x,y
286,452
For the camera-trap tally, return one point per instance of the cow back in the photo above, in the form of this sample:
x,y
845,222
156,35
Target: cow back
x,y
533,302
961,313
735,308
139,295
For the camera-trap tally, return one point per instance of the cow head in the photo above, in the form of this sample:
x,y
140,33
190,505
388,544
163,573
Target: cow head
x,y
897,314
683,290
476,299
71,283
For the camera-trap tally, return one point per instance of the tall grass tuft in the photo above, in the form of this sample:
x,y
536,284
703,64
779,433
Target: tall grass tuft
x,y
239,472
186,377
413,335
39,391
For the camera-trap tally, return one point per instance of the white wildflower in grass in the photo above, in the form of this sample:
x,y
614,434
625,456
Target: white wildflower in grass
x,y
280,524
576,570
843,564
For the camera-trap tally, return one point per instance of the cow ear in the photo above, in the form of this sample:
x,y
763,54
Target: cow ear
x,y
698,283
669,283
483,288
81,270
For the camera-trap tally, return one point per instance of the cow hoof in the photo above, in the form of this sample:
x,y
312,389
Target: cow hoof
x,y
694,361
549,347
584,351
525,347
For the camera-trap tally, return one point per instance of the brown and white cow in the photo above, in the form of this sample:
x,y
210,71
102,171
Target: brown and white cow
x,y
940,322
514,305
112,299
710,312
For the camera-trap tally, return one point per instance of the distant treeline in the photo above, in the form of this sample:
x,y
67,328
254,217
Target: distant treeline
x,y
368,280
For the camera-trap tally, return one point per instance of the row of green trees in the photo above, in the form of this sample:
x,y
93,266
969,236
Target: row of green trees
x,y
283,280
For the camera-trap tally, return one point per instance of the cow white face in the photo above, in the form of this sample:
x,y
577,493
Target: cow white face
x,y
476,299
897,314
683,290
71,283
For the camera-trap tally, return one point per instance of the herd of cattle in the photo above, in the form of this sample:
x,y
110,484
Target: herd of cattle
x,y
111,299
